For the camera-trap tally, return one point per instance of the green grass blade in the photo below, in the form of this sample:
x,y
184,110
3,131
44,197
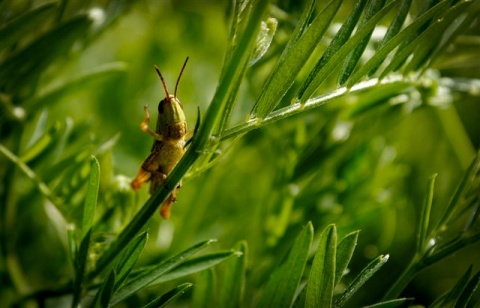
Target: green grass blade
x,y
404,35
281,287
147,277
168,297
197,264
351,62
292,61
233,280
459,194
464,298
423,39
425,216
395,303
394,28
25,66
434,33
342,53
129,258
91,196
204,294
87,222
357,283
321,280
42,187
104,293
345,250
78,83
44,143
457,290
26,23
338,41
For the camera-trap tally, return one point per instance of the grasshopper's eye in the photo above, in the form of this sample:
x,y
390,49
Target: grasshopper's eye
x,y
160,106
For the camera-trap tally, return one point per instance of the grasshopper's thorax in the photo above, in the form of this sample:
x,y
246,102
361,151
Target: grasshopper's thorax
x,y
171,118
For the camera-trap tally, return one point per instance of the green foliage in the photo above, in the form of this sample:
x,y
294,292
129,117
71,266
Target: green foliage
x,y
322,116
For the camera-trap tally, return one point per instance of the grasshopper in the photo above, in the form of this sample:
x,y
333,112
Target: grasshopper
x,y
169,145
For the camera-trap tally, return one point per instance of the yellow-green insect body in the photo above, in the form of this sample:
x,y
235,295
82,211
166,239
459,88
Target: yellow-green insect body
x,y
169,145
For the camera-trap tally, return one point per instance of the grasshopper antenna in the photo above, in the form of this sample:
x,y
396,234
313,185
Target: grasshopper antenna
x,y
179,76
163,82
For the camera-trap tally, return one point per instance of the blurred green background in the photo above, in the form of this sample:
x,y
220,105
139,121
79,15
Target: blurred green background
x,y
363,171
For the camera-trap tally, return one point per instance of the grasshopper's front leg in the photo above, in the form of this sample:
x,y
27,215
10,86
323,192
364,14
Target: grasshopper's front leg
x,y
144,125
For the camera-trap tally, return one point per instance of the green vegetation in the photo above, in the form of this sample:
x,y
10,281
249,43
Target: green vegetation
x,y
335,164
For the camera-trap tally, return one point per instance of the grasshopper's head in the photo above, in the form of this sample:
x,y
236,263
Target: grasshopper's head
x,y
171,118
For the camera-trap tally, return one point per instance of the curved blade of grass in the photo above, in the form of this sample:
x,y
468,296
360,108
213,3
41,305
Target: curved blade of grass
x,y
28,63
42,187
464,298
281,287
338,41
168,297
342,53
321,280
292,61
421,39
434,33
233,280
394,28
204,294
395,303
104,293
345,250
457,290
197,264
44,143
87,222
404,35
459,195
351,62
78,83
147,277
129,258
25,23
364,275
425,216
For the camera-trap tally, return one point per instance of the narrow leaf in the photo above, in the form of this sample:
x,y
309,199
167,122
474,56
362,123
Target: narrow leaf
x,y
107,290
91,196
395,303
434,34
357,283
457,289
80,265
321,280
425,216
281,287
233,280
168,297
405,35
26,23
353,58
87,222
129,258
459,193
292,61
464,298
338,41
407,50
204,294
345,251
394,28
147,277
342,53
196,265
